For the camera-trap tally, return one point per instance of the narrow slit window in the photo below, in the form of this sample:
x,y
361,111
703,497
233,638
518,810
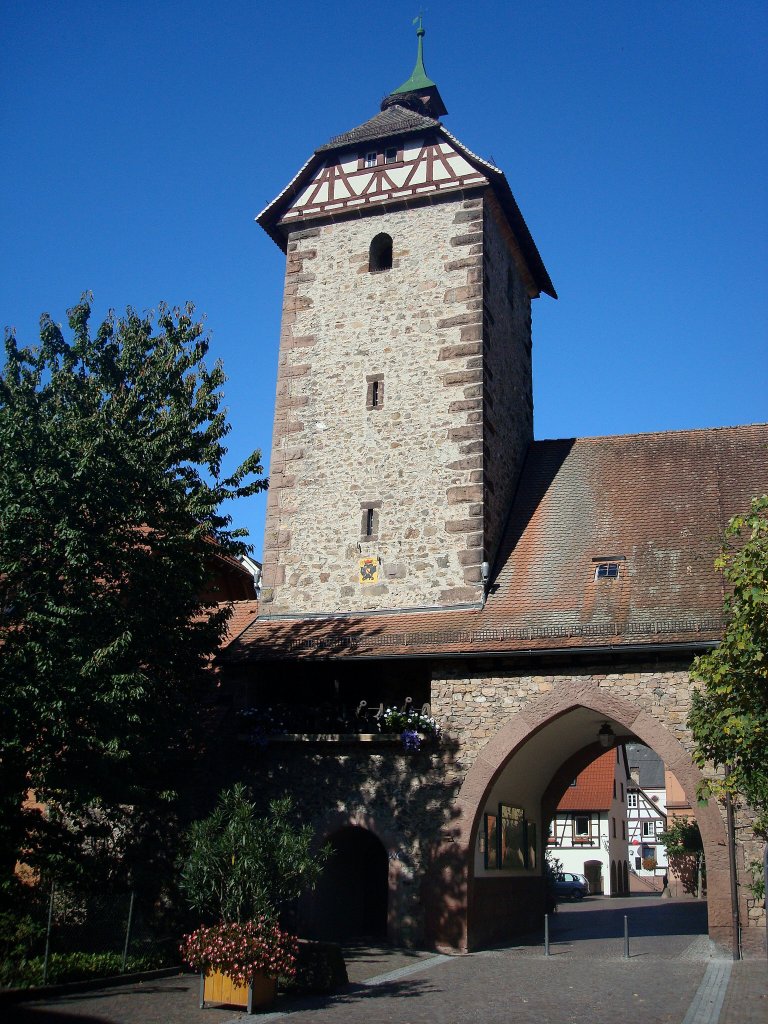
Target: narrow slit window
x,y
380,253
374,392
369,521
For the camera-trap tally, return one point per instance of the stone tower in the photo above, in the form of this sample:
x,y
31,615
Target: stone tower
x,y
404,400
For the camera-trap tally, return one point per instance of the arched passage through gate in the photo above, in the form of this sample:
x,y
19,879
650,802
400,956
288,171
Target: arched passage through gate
x,y
351,898
557,728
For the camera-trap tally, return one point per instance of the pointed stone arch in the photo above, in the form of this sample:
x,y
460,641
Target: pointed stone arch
x,y
538,713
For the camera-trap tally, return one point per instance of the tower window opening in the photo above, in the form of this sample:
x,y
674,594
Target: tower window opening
x,y
370,159
369,524
380,253
374,395
390,155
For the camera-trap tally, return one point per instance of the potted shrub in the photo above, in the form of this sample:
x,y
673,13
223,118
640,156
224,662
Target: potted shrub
x,y
239,871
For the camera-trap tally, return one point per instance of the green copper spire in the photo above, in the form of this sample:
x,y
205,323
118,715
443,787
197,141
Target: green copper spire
x,y
418,79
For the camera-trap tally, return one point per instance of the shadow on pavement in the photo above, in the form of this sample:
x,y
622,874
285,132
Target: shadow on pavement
x,y
655,918
42,1015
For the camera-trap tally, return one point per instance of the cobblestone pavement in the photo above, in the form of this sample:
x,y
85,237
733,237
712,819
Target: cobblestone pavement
x,y
669,978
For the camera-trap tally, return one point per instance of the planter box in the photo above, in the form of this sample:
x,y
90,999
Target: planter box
x,y
218,988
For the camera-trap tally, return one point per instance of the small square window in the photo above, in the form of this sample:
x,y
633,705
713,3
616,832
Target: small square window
x,y
370,159
390,155
607,571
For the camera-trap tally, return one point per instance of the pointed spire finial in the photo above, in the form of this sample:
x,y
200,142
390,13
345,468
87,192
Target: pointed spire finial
x,y
419,83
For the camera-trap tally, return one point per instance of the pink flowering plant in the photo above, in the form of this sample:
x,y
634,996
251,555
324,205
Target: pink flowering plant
x,y
242,868
240,950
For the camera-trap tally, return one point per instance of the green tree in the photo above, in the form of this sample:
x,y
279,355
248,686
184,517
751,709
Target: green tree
x,y
239,865
685,852
111,487
729,715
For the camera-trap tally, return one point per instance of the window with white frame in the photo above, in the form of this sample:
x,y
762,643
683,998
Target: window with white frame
x,y
632,800
649,828
581,826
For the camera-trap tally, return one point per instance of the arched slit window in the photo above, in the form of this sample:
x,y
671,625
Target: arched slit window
x,y
380,255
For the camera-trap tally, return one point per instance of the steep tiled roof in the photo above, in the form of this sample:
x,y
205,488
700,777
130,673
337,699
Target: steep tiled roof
x,y
594,786
656,504
649,765
243,614
395,120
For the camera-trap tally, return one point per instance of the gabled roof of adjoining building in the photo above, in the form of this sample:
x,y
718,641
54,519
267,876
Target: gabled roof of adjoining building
x,y
649,764
652,505
594,786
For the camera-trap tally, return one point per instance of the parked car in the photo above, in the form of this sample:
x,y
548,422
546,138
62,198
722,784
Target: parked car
x,y
571,886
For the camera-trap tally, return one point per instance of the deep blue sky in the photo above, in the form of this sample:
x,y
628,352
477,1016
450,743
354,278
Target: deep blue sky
x,y
141,139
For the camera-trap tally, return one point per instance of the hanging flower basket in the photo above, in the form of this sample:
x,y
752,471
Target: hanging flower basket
x,y
414,728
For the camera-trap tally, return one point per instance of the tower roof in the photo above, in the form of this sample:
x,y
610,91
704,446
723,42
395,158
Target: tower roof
x,y
395,120
419,87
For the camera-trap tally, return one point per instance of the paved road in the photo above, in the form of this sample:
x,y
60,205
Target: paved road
x,y
669,978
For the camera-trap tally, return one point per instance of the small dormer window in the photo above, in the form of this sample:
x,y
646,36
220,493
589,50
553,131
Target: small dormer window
x,y
390,155
370,159
607,571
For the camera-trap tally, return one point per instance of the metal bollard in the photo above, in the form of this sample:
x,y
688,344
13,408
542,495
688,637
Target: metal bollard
x,y
626,938
546,935
128,931
47,957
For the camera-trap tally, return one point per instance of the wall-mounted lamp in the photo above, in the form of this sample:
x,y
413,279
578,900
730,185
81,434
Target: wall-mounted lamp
x,y
485,572
606,736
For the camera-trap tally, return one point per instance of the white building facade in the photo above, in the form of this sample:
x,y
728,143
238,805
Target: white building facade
x,y
589,833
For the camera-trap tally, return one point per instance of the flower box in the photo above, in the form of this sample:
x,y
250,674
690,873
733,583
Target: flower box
x,y
217,987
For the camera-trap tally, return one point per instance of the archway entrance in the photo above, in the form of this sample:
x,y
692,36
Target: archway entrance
x,y
593,872
350,901
519,768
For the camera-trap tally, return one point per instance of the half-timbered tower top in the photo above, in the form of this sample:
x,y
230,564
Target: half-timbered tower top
x,y
403,156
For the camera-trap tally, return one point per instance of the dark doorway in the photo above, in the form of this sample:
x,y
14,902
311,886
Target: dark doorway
x,y
350,901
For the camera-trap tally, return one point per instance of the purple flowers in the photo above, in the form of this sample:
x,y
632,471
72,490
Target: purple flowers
x,y
411,740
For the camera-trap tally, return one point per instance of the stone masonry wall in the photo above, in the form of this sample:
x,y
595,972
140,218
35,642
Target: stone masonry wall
x,y
416,460
401,798
508,396
409,801
472,707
